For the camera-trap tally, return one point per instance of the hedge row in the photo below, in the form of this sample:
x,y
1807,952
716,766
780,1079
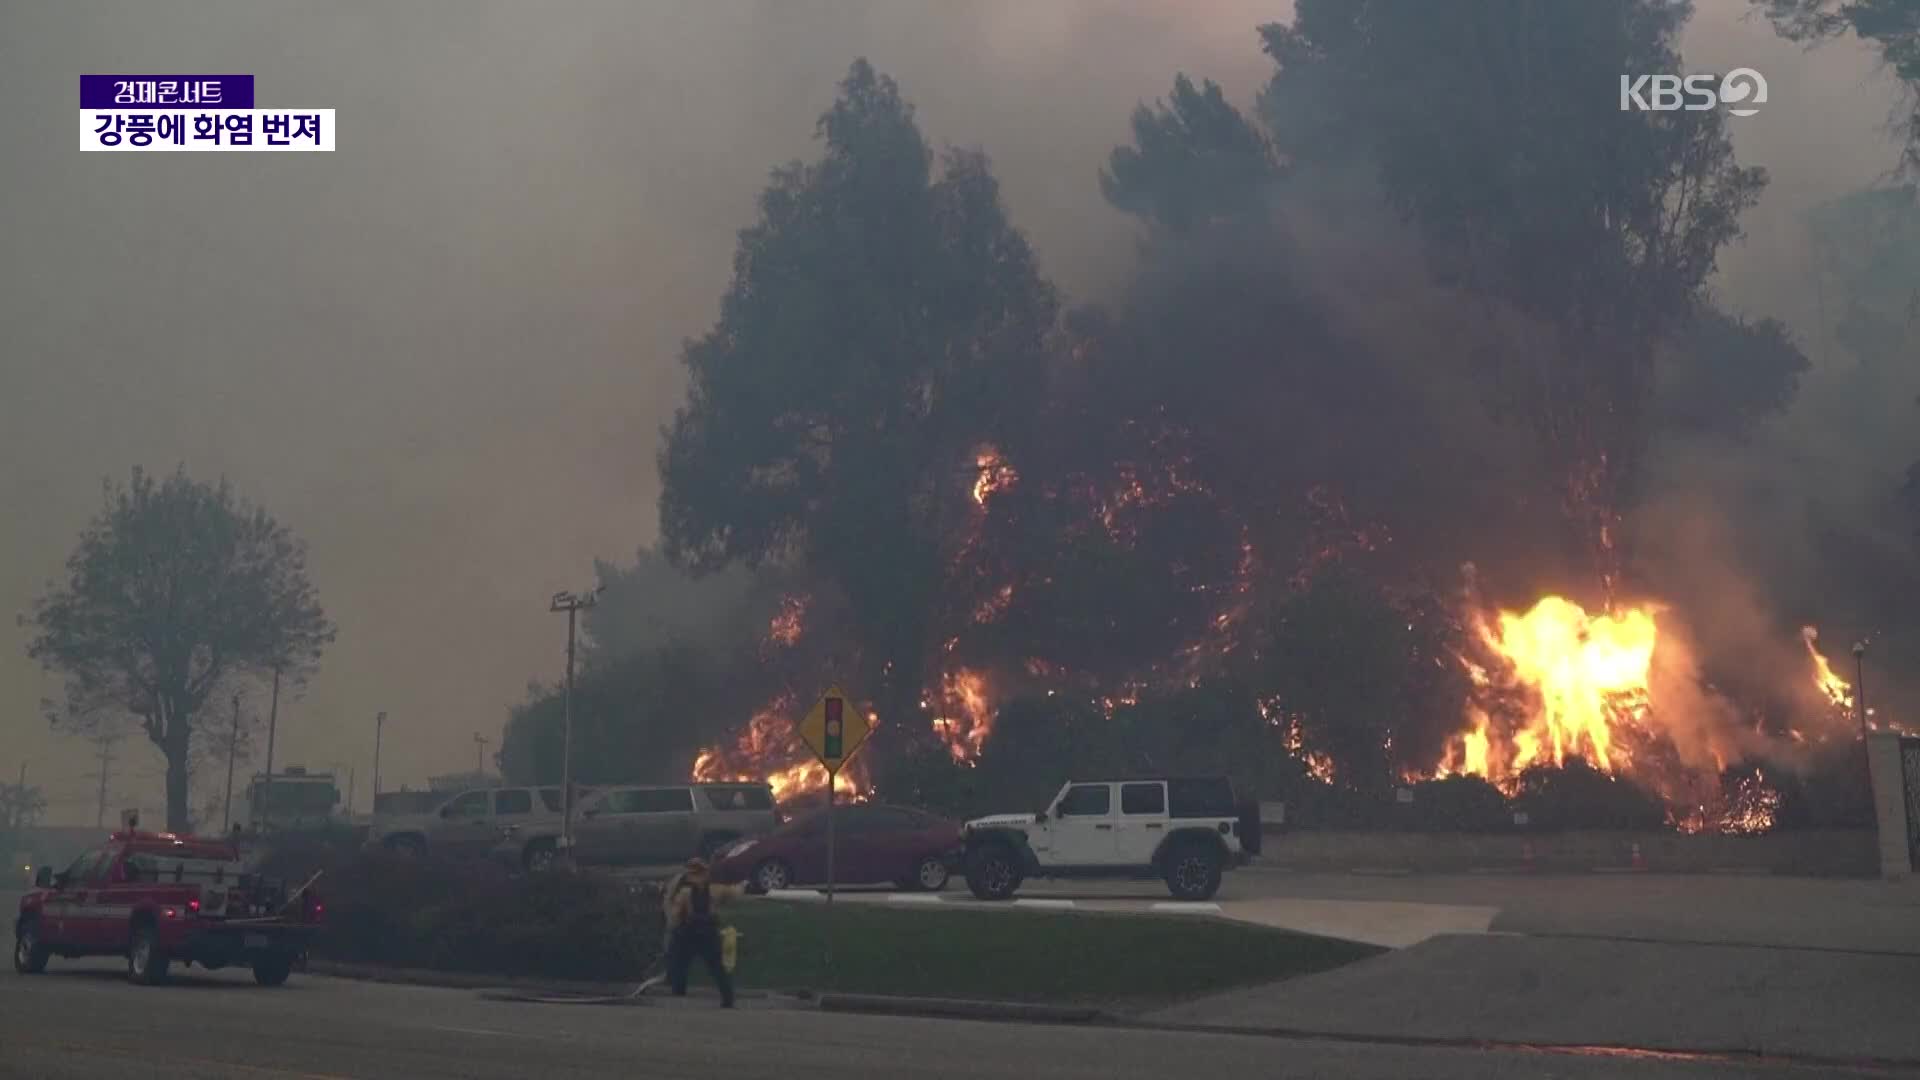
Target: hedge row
x,y
475,916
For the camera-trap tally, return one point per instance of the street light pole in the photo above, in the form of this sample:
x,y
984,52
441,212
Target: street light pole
x,y
571,603
379,722
273,727
233,748
1860,683
480,754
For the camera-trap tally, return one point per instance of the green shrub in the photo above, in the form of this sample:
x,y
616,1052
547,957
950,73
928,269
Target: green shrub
x,y
477,917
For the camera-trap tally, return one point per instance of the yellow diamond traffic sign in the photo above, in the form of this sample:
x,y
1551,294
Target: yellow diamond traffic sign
x,y
834,729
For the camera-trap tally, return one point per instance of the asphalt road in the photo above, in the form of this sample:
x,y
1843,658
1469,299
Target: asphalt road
x,y
82,1020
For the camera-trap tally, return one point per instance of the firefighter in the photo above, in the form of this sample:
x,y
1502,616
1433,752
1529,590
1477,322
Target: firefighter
x,y
693,927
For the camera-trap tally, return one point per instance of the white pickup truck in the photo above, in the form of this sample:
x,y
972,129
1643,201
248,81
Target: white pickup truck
x,y
1185,831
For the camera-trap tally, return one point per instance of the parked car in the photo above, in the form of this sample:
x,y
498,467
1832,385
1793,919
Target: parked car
x,y
158,899
908,848
471,824
1185,831
640,824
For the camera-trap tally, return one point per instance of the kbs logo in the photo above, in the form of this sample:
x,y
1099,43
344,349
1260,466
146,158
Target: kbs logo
x,y
1740,90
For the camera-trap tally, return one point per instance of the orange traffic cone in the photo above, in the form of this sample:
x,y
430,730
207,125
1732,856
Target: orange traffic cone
x,y
1639,860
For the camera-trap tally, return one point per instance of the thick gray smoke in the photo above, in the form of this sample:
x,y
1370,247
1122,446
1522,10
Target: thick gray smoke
x,y
442,353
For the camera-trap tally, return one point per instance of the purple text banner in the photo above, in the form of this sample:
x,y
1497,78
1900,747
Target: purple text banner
x,y
109,92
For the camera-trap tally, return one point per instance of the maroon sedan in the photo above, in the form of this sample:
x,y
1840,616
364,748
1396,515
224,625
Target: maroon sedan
x,y
908,848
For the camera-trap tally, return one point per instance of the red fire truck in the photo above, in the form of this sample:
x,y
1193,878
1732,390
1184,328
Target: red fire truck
x,y
158,898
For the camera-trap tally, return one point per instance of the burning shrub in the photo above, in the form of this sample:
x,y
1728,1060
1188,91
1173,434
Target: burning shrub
x,y
1578,796
476,917
1457,804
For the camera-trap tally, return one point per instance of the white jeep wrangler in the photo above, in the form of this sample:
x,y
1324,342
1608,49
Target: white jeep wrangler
x,y
1183,831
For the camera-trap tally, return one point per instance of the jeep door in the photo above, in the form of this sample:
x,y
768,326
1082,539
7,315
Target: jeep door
x,y
1081,827
1142,823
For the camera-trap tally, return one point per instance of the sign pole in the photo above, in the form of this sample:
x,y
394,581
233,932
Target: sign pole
x,y
831,773
831,799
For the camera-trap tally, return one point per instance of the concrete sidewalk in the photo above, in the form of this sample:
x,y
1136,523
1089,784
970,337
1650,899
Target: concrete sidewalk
x,y
1392,924
1837,1005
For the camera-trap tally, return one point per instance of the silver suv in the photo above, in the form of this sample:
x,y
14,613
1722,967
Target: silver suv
x,y
634,825
470,824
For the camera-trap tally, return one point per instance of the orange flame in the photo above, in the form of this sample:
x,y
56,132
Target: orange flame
x,y
1836,689
965,719
769,751
789,622
994,474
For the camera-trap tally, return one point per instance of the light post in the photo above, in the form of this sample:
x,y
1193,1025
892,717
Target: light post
x,y
273,726
571,603
1860,683
233,747
379,722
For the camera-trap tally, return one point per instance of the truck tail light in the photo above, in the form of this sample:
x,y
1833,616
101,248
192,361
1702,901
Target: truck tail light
x,y
193,906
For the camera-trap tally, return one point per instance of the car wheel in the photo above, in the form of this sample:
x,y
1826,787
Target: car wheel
x,y
30,952
540,857
771,875
146,964
272,969
1193,872
930,874
993,872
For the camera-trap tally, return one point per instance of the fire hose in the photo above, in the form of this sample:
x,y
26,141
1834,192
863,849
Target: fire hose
x,y
651,977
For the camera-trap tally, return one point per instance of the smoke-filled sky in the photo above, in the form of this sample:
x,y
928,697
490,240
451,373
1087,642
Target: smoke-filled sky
x,y
442,354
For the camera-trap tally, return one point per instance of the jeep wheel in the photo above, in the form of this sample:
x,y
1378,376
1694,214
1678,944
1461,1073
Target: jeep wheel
x,y
272,969
772,875
540,856
993,872
30,953
1193,871
146,964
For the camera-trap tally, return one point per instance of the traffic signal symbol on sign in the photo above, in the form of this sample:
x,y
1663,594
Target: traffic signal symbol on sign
x,y
834,729
833,733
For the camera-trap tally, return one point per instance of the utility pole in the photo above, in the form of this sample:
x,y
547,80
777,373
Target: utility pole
x,y
571,603
233,748
106,760
379,722
479,754
273,726
1860,683
17,809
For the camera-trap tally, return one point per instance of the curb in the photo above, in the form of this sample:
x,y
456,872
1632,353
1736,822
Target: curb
x,y
961,1009
460,980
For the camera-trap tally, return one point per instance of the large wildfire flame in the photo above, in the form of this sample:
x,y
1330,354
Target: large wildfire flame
x,y
1563,683
1589,679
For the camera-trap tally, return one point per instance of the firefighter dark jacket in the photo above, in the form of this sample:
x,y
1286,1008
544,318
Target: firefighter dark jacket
x,y
680,900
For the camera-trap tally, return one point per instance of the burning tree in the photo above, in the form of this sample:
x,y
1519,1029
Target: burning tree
x,y
1600,222
884,320
1233,499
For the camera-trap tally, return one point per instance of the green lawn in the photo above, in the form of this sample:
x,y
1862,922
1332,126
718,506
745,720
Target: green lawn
x,y
1013,955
